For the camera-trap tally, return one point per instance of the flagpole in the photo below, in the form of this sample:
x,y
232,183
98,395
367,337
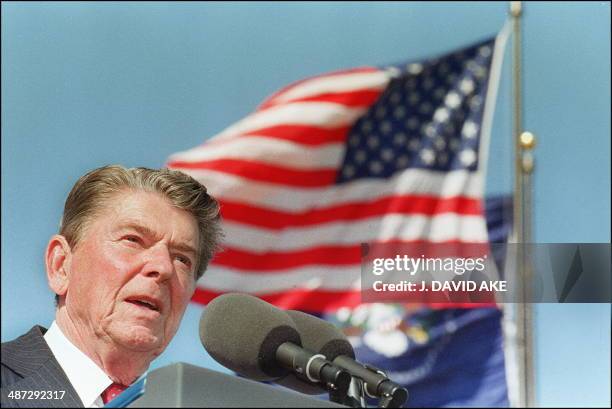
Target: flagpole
x,y
522,219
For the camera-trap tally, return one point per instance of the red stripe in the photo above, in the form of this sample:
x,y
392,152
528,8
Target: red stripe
x,y
347,255
300,134
308,300
320,300
353,99
270,100
264,172
404,204
277,260
303,134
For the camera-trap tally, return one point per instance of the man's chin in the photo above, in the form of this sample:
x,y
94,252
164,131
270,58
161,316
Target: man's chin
x,y
139,339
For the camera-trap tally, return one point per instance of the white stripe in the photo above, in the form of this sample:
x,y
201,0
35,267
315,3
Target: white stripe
x,y
294,199
389,227
225,279
317,277
335,84
321,114
284,153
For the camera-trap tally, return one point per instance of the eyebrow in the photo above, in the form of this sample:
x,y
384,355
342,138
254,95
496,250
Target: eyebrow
x,y
144,230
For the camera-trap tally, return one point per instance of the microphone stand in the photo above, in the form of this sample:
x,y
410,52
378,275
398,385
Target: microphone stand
x,y
354,397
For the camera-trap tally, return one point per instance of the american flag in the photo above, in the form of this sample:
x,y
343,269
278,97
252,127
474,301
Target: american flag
x,y
388,154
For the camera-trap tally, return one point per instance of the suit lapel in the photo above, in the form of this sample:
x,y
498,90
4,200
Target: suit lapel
x,y
30,356
36,382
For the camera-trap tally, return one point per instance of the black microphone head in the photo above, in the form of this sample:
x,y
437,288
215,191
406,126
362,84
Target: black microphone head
x,y
242,333
321,337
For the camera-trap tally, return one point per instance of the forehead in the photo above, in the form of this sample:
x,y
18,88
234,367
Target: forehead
x,y
151,211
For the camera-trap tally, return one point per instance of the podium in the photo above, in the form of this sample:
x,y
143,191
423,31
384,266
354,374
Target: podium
x,y
186,386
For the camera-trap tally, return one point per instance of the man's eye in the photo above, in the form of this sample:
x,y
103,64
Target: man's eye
x,y
133,239
184,260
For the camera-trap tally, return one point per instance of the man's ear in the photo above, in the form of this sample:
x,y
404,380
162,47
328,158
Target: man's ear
x,y
57,260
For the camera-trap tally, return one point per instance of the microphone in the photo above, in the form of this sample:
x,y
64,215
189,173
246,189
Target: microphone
x,y
323,337
261,342
317,336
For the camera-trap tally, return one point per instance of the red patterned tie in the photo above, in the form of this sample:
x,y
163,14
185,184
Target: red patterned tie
x,y
112,392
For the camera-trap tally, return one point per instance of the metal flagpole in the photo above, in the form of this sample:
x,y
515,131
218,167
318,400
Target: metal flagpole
x,y
522,219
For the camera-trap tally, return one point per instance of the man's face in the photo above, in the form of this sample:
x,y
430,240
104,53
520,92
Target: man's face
x,y
131,274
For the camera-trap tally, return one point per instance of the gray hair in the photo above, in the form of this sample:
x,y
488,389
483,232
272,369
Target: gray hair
x,y
95,189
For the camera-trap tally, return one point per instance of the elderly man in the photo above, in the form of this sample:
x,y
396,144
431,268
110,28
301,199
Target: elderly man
x,y
131,246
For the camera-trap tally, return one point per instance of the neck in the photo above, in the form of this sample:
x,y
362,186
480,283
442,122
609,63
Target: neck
x,y
121,365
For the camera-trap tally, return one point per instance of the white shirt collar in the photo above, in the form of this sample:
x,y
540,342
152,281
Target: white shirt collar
x,y
87,378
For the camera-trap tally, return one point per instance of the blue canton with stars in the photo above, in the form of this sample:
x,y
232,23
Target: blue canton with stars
x,y
428,117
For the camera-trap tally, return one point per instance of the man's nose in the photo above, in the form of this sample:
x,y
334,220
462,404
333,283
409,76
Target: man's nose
x,y
159,263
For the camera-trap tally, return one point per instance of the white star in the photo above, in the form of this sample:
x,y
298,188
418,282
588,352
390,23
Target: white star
x,y
376,167
400,138
454,144
449,128
478,70
413,98
466,86
484,51
441,115
425,108
387,155
367,126
354,140
373,142
429,130
412,123
410,84
414,145
428,83
348,171
399,112
472,65
360,156
439,93
385,127
395,98
393,71
415,68
452,100
470,129
443,69
467,157
402,161
439,143
442,158
380,112
450,80
428,156
475,102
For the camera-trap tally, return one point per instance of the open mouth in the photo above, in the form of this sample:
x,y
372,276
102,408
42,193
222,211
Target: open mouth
x,y
151,305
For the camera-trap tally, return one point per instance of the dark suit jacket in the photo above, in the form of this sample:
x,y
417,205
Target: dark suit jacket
x,y
29,365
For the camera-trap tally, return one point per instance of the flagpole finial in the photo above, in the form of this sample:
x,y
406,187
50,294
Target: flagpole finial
x,y
516,8
528,140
